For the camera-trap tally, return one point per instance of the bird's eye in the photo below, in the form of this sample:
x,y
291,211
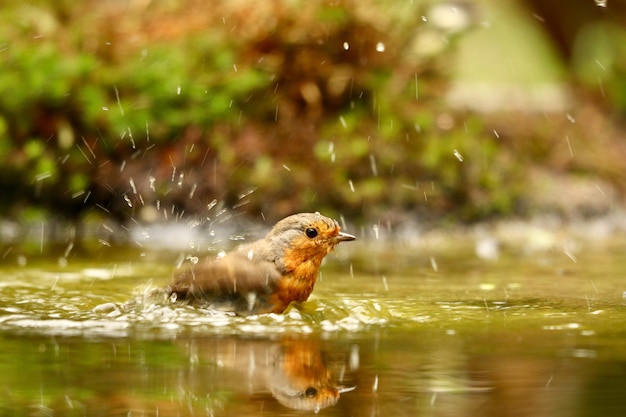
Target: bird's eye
x,y
310,392
311,232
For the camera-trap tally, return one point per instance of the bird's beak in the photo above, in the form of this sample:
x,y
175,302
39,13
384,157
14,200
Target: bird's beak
x,y
344,237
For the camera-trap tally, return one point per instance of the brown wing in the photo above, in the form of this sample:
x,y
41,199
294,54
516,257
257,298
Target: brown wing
x,y
233,283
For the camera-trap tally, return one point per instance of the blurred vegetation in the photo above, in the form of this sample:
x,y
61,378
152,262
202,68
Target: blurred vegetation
x,y
150,111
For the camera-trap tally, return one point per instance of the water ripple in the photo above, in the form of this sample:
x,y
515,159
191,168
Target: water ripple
x,y
28,310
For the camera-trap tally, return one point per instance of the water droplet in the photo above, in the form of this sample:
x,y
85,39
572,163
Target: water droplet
x,y
132,185
346,46
380,47
601,3
68,249
570,255
373,165
43,176
251,298
433,264
246,192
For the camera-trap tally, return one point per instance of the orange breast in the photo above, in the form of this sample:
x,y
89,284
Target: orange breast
x,y
295,286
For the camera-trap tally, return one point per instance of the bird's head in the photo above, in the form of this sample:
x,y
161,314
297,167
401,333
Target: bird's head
x,y
306,237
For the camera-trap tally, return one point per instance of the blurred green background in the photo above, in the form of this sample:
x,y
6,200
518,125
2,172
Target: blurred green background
x,y
453,111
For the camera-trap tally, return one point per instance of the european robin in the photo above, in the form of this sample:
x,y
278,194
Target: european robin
x,y
264,276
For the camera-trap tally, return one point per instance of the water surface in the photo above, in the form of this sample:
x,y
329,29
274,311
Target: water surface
x,y
392,329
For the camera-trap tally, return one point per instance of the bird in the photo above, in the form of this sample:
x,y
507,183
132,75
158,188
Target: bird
x,y
264,276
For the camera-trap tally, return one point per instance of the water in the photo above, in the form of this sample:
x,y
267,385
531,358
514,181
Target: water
x,y
392,329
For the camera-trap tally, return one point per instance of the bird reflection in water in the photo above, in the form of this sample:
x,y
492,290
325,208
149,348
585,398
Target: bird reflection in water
x,y
300,378
297,372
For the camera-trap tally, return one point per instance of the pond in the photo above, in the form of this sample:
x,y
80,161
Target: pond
x,y
393,328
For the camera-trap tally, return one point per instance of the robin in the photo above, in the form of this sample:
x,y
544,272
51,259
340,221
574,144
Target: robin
x,y
264,276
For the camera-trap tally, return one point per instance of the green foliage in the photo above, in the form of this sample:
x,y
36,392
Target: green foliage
x,y
174,106
606,43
